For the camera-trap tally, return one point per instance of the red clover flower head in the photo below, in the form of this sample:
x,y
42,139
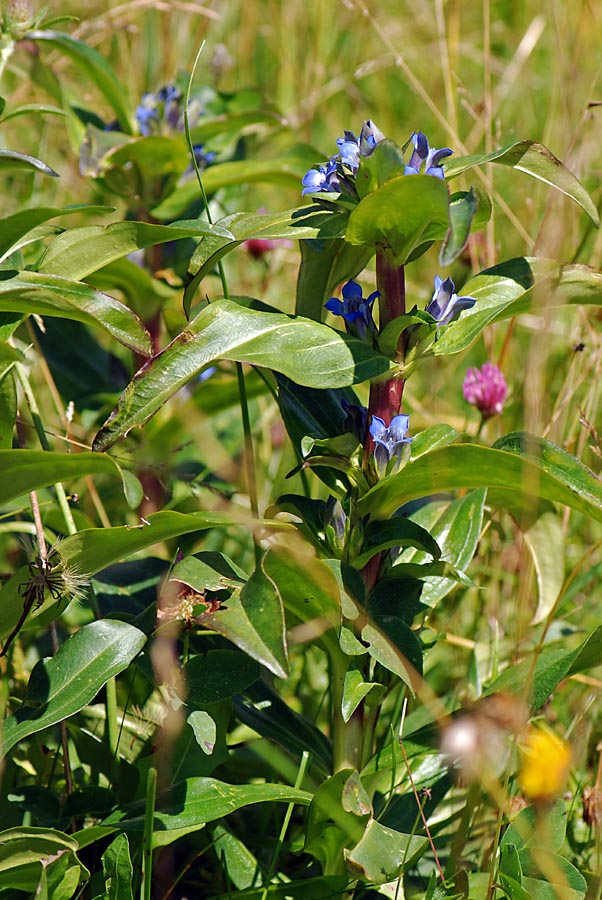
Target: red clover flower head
x,y
486,389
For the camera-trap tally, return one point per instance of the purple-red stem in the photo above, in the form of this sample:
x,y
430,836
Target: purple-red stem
x,y
385,396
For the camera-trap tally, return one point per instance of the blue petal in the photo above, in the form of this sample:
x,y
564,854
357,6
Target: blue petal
x,y
377,428
398,428
335,306
352,291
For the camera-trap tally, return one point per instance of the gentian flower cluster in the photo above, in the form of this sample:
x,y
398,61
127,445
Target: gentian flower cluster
x,y
163,113
486,389
356,310
391,444
338,173
445,306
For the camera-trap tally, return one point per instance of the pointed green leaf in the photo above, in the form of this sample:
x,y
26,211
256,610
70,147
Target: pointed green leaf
x,y
305,351
30,470
93,549
552,666
315,221
355,690
14,227
94,66
376,220
396,532
545,540
36,108
253,619
463,209
456,527
520,464
63,684
79,252
188,805
50,295
10,159
118,870
535,160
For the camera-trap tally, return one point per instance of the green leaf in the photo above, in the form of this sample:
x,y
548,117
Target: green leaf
x,y
30,470
79,252
315,221
188,805
396,532
545,540
383,854
238,861
520,464
456,527
49,295
306,351
217,675
535,160
307,586
26,852
8,404
355,690
204,728
36,108
394,645
63,684
331,825
376,221
93,549
462,211
552,666
253,619
93,65
118,870
10,159
200,573
14,227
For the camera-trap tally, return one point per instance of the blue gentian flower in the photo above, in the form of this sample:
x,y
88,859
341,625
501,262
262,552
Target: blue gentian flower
x,y
423,155
349,149
445,306
370,136
391,444
355,309
324,178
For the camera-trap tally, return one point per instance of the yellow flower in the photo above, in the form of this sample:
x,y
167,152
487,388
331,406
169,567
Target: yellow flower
x,y
545,760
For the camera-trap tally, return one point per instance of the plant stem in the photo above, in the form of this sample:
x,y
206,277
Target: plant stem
x,y
287,817
147,842
41,432
386,396
347,737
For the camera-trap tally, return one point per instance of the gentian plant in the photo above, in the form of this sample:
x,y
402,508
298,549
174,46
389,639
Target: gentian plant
x,y
379,526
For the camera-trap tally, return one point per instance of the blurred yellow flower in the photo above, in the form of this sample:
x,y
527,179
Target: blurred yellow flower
x,y
545,760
